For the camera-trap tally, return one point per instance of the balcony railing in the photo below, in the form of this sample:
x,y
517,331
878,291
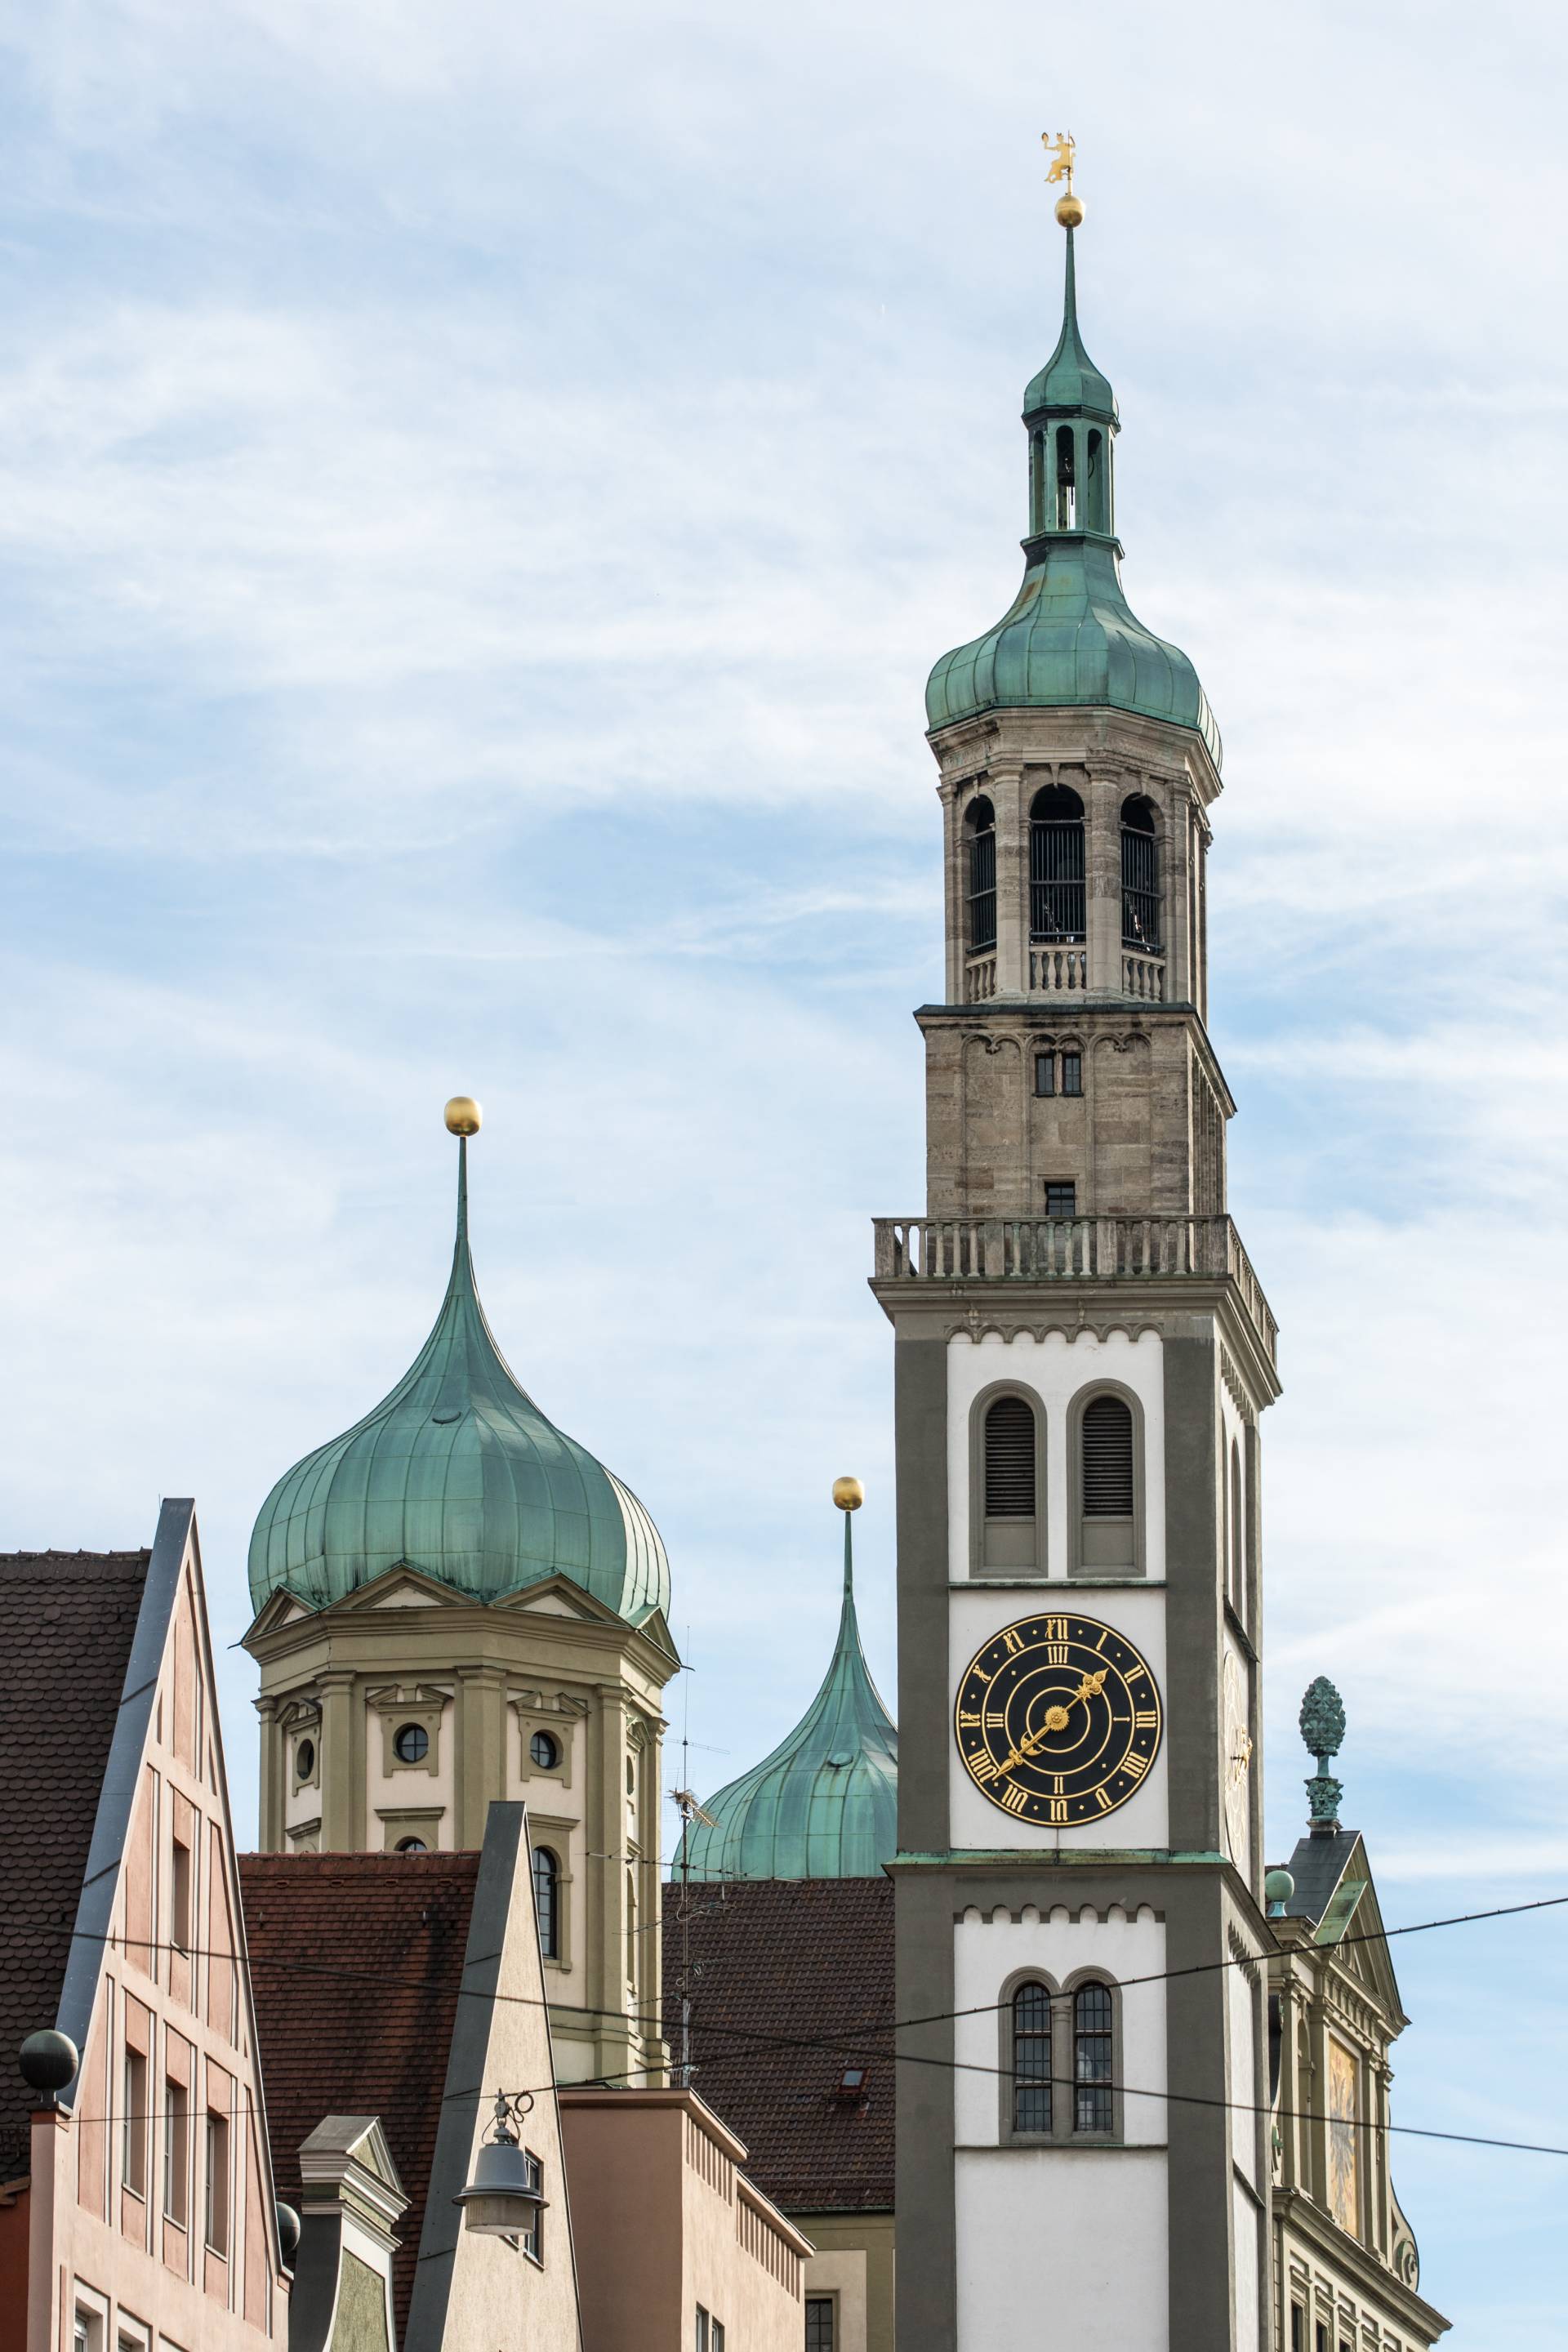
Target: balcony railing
x,y
1073,1249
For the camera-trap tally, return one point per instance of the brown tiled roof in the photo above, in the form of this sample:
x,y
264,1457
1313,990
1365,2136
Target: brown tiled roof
x,y
357,1960
69,1620
808,1960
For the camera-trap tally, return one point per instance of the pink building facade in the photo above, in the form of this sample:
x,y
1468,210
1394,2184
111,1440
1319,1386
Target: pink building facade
x,y
147,2212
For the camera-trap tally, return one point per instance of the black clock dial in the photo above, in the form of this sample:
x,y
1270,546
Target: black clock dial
x,y
1058,1720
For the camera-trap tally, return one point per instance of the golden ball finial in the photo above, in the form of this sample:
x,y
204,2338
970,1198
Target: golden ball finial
x,y
463,1116
1069,210
848,1494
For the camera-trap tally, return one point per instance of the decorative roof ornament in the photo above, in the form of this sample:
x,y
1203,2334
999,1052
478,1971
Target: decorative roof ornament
x,y
824,1803
1069,204
458,1476
1322,1721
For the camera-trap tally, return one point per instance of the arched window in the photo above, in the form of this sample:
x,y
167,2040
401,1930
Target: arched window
x,y
1093,2034
1032,2058
1009,1477
1107,1486
1067,480
1140,875
980,830
547,1901
1237,1547
1056,864
1097,505
412,1845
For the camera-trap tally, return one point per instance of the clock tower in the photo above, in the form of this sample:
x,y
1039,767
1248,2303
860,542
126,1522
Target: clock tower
x,y
1082,1355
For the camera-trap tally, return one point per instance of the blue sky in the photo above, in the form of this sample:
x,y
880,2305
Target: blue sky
x,y
479,499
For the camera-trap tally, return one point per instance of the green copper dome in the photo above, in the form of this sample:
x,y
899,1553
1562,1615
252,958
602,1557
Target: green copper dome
x,y
824,1803
459,1475
1069,637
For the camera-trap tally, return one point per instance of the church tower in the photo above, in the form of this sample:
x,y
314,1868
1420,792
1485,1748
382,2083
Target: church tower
x,y
1082,1354
457,1603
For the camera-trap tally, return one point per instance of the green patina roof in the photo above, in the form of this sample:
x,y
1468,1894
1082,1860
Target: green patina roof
x,y
459,1475
824,1803
1069,637
1070,378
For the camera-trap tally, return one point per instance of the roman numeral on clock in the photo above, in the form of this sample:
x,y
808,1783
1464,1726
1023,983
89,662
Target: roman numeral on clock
x,y
1134,1765
1056,1653
1012,1643
967,1722
1144,1719
1056,1809
1015,1800
1055,1629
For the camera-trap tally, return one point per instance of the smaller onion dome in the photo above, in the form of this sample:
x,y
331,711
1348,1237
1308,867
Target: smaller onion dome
x,y
1070,639
824,1803
458,1474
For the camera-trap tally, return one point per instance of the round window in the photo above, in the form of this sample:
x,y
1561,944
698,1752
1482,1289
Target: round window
x,y
545,1751
412,1845
411,1744
304,1759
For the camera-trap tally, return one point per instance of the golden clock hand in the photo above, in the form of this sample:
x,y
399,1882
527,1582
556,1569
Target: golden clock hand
x,y
1056,1719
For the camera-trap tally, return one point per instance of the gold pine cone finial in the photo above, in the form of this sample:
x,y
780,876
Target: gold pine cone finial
x,y
463,1116
1063,150
848,1494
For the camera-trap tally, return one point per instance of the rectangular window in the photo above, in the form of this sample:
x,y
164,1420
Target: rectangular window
x,y
1061,1197
702,2325
718,2336
819,2324
1320,2338
180,1890
531,2239
177,2149
133,2128
1072,1074
1297,2328
1044,1073
217,2182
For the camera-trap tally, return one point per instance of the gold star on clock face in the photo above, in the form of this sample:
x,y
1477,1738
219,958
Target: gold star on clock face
x,y
1058,1720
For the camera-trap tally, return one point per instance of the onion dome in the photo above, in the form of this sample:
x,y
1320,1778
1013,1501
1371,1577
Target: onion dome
x,y
458,1475
1070,639
824,1803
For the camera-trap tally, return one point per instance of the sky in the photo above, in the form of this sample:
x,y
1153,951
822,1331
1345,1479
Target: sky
x,y
480,492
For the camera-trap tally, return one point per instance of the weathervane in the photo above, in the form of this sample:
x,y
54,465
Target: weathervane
x,y
1063,152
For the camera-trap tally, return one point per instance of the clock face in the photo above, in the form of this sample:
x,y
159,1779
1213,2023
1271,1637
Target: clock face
x,y
1058,1720
1238,1759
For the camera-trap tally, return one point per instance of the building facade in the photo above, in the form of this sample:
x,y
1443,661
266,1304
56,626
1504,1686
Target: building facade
x,y
455,1605
1082,1358
142,2213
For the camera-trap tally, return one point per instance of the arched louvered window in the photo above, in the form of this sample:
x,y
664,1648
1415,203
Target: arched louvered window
x,y
1108,1484
1237,1546
980,836
1057,909
1032,2058
1093,2039
547,1901
1008,1475
1140,875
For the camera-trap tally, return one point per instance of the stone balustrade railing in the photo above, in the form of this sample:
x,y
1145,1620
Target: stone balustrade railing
x,y
1057,969
1073,1249
1144,976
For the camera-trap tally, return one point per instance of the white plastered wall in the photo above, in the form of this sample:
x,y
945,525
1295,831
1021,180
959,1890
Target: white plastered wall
x,y
1056,1370
990,1953
1057,2254
977,1613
